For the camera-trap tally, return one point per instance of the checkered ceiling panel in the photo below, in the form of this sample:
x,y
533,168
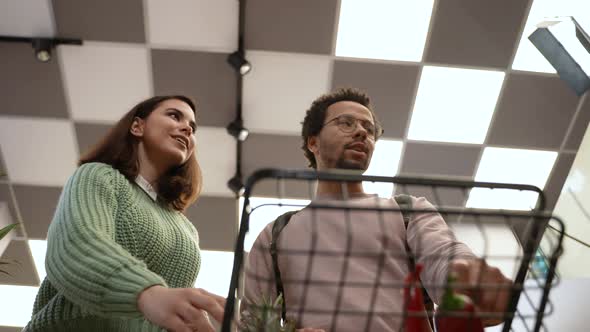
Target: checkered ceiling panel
x,y
51,112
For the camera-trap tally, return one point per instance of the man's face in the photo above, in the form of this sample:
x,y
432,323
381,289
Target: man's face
x,y
345,141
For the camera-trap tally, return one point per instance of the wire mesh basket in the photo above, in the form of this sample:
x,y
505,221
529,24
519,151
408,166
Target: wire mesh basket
x,y
343,263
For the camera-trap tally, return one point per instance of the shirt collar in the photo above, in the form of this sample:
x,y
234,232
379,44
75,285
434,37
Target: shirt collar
x,y
146,186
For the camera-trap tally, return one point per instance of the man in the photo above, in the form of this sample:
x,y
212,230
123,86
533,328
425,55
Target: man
x,y
357,287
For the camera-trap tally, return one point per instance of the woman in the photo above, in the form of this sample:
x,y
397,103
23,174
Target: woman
x,y
121,256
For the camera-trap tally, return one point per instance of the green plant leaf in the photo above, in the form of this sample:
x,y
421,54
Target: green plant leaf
x,y
7,229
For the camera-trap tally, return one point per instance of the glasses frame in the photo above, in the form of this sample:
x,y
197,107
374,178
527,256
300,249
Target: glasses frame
x,y
378,129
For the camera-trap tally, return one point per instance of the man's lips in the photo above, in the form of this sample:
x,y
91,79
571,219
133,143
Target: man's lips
x,y
358,147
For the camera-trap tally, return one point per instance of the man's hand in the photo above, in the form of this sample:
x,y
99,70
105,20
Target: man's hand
x,y
484,284
181,309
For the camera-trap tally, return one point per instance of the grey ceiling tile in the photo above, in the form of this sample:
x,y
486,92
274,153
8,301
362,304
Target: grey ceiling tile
x,y
476,33
216,220
557,179
89,134
305,26
533,112
438,159
267,150
275,151
29,87
206,77
580,125
107,20
390,86
38,216
22,271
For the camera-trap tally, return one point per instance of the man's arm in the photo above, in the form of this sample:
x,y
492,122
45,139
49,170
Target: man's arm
x,y
259,282
439,251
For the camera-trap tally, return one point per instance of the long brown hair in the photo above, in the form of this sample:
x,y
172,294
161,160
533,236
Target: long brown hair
x,y
177,188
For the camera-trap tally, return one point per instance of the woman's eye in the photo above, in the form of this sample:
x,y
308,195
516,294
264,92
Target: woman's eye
x,y
174,115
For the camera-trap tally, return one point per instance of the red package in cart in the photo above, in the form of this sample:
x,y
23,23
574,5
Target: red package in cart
x,y
416,318
457,313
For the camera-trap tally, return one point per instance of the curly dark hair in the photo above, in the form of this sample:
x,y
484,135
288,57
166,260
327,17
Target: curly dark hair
x,y
316,115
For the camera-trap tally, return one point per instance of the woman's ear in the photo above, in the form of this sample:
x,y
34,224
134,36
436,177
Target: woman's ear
x,y
137,127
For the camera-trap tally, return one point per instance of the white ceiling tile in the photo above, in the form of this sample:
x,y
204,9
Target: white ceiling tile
x,y
105,80
383,29
215,276
39,251
203,24
216,153
280,88
385,162
455,105
26,18
527,56
17,311
38,151
517,166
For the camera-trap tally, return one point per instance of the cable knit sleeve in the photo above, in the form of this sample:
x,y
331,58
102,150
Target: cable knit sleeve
x,y
83,260
434,244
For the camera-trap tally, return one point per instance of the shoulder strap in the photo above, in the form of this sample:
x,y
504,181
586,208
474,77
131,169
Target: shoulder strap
x,y
405,204
277,227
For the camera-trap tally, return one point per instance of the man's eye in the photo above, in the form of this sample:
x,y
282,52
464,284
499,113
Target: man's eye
x,y
348,122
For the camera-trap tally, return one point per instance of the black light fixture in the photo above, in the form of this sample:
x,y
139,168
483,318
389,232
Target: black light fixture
x,y
239,62
566,46
236,185
41,46
237,130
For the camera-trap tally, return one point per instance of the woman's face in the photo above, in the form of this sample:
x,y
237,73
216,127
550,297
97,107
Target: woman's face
x,y
167,133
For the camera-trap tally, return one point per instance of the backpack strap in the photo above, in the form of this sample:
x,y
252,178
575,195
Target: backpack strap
x,y
277,227
405,204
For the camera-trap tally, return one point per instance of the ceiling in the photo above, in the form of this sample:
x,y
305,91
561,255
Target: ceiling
x,y
133,49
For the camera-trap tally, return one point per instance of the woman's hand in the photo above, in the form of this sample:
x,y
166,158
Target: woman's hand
x,y
181,309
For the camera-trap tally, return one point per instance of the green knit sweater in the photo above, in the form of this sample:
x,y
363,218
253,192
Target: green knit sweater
x,y
107,242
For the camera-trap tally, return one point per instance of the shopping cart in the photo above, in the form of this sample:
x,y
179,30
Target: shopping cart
x,y
525,243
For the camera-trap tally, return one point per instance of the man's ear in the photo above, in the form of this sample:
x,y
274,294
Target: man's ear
x,y
313,144
137,127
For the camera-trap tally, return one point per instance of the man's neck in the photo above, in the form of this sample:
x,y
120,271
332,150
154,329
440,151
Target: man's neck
x,y
340,190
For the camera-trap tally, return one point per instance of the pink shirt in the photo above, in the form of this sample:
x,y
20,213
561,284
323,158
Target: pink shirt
x,y
367,238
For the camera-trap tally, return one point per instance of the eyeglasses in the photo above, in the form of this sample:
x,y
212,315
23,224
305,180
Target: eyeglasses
x,y
347,124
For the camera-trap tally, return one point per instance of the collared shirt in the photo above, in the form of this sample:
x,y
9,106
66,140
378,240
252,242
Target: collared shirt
x,y
146,186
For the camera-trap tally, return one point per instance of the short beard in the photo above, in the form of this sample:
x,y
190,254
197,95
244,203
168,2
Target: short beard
x,y
342,163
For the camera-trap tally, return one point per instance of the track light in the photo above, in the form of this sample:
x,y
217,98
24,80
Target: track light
x,y
564,43
237,130
239,63
42,48
236,185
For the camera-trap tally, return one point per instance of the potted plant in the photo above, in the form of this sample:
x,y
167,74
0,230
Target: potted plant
x,y
3,232
265,316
